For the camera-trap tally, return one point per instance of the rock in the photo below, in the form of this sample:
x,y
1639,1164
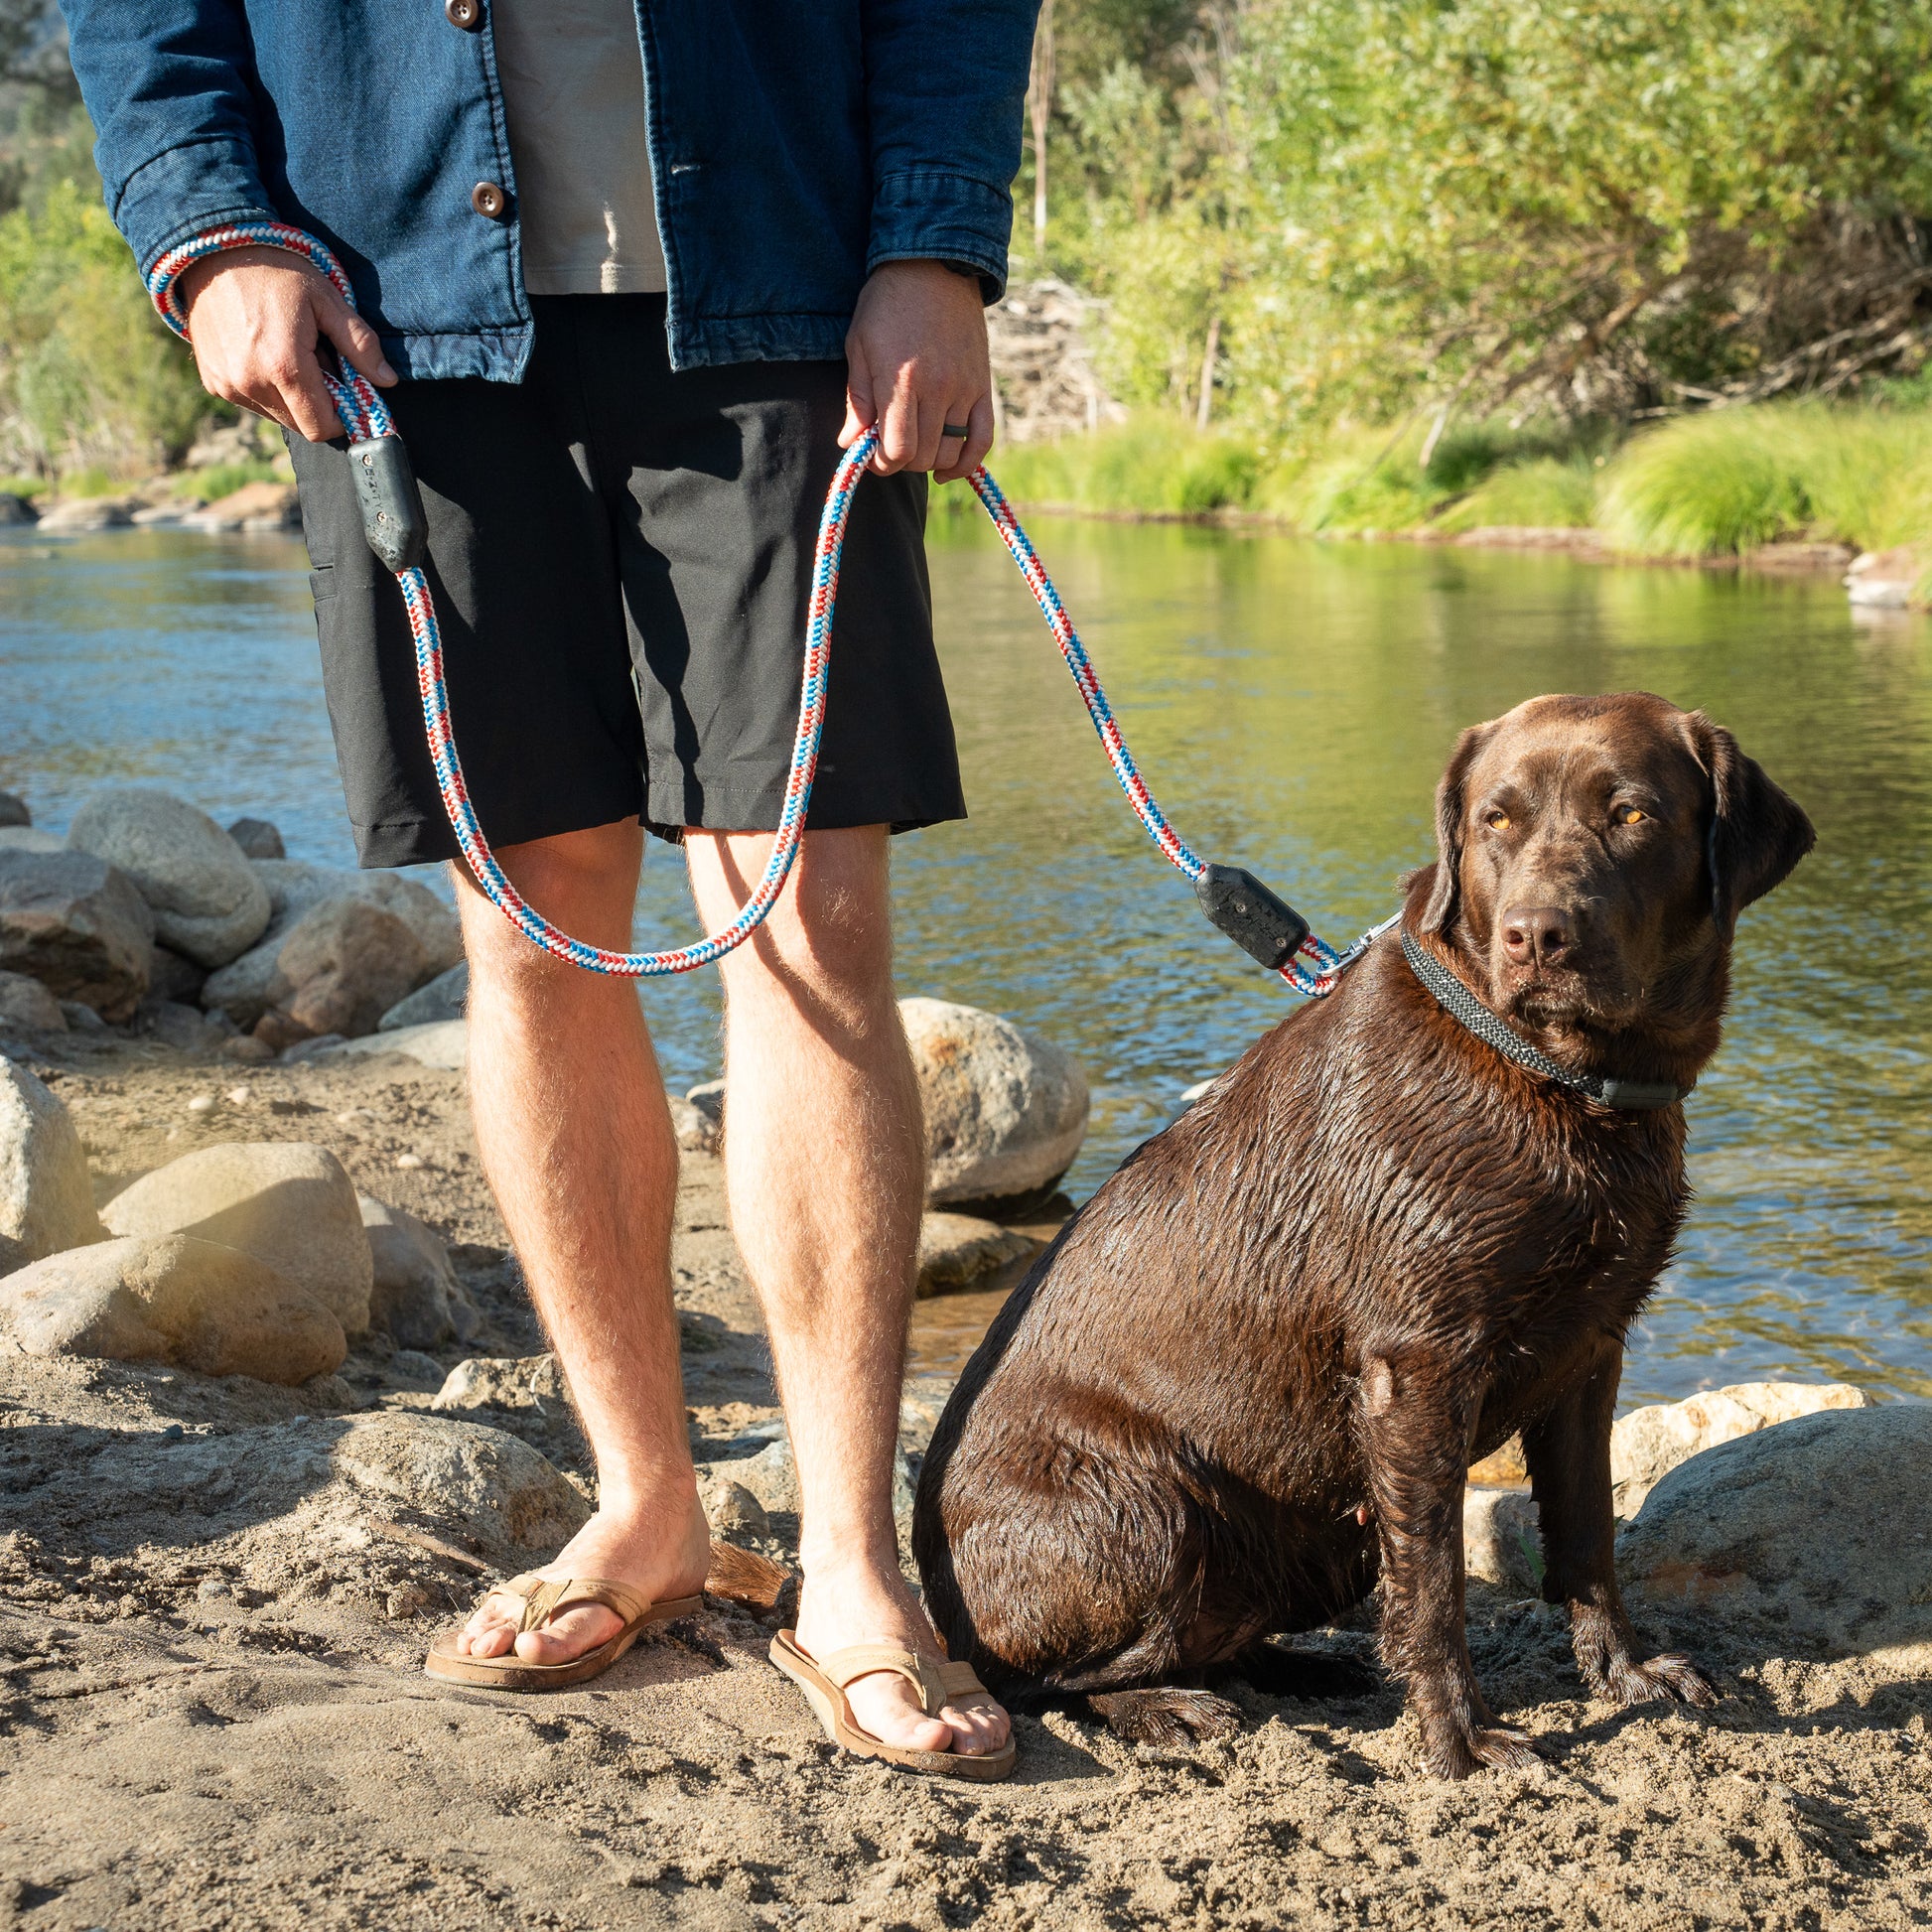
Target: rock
x,y
273,1029
1502,1469
731,1506
772,1477
172,977
206,901
445,1044
1005,1113
343,966
415,1295
77,925
75,515
26,1004
1883,579
1647,1444
244,988
168,513
1501,1542
696,1131
286,1202
257,838
173,1298
444,997
254,506
708,1099
13,807
502,1381
17,509
922,1401
959,1251
480,1482
415,1366
82,1018
30,838
247,1049
47,1202
188,1030
1818,1525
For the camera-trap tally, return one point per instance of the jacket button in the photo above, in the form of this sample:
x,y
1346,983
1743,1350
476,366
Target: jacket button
x,y
466,14
488,199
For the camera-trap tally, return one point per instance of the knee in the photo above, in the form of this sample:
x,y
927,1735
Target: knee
x,y
830,935
585,883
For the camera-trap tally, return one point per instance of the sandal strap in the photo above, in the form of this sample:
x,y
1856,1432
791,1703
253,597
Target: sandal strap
x,y
937,1683
544,1597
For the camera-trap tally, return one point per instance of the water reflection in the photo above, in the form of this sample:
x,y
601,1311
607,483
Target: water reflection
x,y
1292,705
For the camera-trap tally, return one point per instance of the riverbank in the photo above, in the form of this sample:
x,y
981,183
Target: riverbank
x,y
214,1594
1801,485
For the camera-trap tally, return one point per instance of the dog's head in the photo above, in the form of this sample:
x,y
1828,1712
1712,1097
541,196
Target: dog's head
x,y
1593,855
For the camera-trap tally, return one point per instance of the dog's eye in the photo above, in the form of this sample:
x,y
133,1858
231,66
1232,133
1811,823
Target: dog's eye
x,y
1496,821
1628,815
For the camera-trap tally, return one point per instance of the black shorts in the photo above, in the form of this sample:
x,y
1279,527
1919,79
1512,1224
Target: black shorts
x,y
621,559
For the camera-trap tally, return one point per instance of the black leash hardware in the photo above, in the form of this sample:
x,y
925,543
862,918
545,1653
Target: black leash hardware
x,y
1462,1006
1262,923
392,505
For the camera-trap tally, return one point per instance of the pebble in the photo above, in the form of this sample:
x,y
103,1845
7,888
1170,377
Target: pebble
x,y
237,1097
202,1103
410,1161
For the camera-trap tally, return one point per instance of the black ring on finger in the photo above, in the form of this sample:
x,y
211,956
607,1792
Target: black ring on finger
x,y
960,430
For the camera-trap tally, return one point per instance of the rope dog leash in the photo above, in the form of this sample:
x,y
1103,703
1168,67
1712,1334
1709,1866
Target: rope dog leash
x,y
1259,921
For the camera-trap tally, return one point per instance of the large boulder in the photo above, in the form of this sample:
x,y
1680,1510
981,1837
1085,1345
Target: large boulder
x,y
77,925
1501,1539
961,1251
47,1202
1005,1113
258,838
173,1298
286,1202
205,898
446,997
443,1043
26,1006
1647,1444
415,1297
30,838
13,810
343,966
1821,1525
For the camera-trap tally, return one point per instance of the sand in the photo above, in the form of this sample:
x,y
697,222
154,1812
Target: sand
x,y
219,1720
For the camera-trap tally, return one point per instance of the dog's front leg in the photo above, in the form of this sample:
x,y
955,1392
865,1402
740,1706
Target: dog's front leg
x,y
1567,1453
1417,1420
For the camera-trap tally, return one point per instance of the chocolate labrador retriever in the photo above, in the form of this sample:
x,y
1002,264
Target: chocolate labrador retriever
x,y
1247,1379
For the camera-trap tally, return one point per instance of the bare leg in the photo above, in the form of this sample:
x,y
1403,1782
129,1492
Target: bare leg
x,y
576,1140
825,1159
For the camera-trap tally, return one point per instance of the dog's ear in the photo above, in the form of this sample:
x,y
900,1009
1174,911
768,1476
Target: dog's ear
x,y
1755,833
1445,890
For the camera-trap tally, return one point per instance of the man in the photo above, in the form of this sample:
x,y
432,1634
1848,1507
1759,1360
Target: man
x,y
628,343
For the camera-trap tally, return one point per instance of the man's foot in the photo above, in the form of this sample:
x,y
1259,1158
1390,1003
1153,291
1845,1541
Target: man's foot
x,y
659,1553
858,1603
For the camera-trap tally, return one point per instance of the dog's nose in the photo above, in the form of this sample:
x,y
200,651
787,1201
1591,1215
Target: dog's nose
x,y
1542,934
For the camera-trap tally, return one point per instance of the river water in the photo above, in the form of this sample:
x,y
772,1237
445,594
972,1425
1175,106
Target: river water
x,y
1292,704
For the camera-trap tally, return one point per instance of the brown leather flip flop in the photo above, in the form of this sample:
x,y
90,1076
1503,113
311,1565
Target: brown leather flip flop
x,y
542,1598
823,1680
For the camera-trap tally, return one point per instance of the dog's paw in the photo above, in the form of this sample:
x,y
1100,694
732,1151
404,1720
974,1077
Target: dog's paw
x,y
1667,1679
1166,1717
1462,1753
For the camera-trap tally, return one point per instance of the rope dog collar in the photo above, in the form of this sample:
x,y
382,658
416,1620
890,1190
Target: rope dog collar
x,y
1462,1006
1262,923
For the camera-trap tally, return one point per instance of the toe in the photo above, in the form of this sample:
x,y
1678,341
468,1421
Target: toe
x,y
489,1633
568,1635
977,1728
884,1705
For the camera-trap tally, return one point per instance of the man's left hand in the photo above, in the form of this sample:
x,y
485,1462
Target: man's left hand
x,y
917,360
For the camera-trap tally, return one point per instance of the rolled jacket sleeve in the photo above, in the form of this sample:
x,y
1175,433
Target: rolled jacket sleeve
x,y
945,83
169,84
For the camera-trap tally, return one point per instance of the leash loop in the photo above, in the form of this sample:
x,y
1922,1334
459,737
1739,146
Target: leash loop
x,y
1257,920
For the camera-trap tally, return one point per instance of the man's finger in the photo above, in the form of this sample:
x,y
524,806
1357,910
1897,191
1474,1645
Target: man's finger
x,y
899,432
262,397
306,397
860,414
932,419
356,342
960,457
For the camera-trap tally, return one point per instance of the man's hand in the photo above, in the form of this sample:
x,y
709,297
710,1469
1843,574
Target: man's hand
x,y
255,317
916,362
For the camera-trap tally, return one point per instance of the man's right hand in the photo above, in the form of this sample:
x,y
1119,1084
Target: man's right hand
x,y
255,318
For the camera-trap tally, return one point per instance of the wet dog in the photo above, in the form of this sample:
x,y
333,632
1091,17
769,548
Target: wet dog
x,y
1245,1382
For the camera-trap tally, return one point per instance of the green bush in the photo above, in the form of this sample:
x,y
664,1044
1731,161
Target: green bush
x,y
222,480
1545,494
1151,463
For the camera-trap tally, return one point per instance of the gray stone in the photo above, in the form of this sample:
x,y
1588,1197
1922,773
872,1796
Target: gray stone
x,y
26,1004
257,838
1501,1539
528,1382
82,1018
207,900
1819,1526
443,997
30,838
708,1096
696,1131
773,1478
77,925
445,1044
414,1366
171,976
961,1251
1647,1444
1005,1113
47,1202
733,1507
1884,580
13,809
344,964
415,1297
77,516
286,1202
173,1298
17,509
188,1030
923,1400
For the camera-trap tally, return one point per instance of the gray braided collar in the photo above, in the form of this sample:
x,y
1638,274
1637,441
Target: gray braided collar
x,y
1462,1006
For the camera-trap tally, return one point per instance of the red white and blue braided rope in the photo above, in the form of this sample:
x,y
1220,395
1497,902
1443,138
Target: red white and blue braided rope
x,y
1313,970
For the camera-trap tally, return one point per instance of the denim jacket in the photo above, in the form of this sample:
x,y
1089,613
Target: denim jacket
x,y
795,146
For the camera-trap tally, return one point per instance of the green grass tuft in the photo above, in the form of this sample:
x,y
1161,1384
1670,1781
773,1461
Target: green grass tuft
x,y
222,480
1547,493
1152,463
